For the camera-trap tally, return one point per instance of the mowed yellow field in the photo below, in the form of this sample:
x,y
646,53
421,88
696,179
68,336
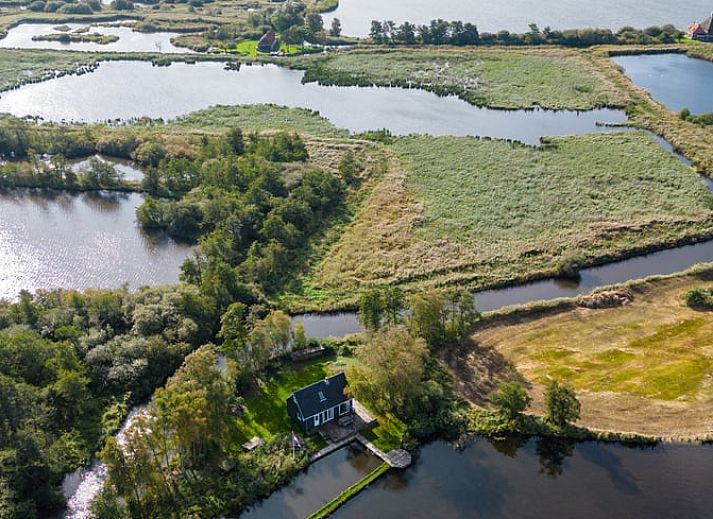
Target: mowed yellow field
x,y
645,367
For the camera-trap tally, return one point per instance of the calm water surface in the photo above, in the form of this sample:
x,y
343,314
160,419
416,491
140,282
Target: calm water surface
x,y
123,90
541,478
673,79
64,240
20,37
126,167
315,487
515,15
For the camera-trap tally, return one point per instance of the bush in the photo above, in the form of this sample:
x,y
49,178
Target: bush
x,y
561,404
511,399
699,299
122,5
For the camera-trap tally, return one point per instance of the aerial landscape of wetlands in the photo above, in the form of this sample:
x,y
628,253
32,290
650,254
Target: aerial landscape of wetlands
x,y
300,259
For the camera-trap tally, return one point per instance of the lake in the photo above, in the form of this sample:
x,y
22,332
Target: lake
x,y
675,80
515,15
20,37
80,240
130,89
539,478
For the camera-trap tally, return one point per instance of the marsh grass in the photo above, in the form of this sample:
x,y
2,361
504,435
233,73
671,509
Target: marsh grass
x,y
498,78
488,212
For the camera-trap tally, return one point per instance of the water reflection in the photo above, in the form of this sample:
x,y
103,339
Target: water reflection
x,y
57,239
552,453
543,478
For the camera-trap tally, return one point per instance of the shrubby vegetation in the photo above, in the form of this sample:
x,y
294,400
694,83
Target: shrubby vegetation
x,y
699,298
442,32
73,364
703,120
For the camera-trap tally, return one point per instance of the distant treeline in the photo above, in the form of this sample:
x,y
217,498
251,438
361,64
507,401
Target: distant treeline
x,y
442,32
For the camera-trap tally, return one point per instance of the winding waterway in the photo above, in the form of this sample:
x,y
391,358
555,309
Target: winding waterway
x,y
71,240
516,15
129,89
539,478
20,37
672,79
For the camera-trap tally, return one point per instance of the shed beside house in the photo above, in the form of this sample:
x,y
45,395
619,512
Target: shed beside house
x,y
320,403
269,42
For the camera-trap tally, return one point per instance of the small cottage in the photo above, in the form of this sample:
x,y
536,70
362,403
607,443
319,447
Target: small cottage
x,y
269,42
702,31
320,403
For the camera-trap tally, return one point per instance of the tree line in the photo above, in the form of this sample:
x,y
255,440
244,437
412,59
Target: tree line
x,y
458,33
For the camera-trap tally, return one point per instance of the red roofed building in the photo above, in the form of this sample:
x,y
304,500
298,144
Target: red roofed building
x,y
701,31
268,43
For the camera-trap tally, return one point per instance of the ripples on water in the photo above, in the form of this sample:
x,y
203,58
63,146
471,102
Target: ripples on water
x,y
70,240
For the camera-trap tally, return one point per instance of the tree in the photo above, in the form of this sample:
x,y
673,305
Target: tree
x,y
388,369
299,339
335,30
429,317
371,309
561,404
315,24
511,399
236,141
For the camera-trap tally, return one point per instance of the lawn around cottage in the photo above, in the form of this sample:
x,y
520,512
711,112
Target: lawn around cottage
x,y
265,411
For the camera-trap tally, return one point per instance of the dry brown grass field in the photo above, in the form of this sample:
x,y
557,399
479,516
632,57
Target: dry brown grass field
x,y
645,367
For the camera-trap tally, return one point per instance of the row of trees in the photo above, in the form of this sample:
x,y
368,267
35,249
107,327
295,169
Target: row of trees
x,y
442,32
57,173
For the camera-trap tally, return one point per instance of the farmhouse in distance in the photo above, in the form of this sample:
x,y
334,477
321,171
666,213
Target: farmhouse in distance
x,y
320,403
702,31
268,42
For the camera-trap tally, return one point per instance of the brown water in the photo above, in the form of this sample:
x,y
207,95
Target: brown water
x,y
20,37
516,15
67,240
540,478
129,89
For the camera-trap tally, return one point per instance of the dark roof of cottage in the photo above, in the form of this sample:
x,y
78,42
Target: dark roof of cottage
x,y
321,395
268,39
707,25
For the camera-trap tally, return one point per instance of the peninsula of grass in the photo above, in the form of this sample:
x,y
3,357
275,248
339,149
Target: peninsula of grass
x,y
260,117
495,77
642,367
248,48
350,492
488,213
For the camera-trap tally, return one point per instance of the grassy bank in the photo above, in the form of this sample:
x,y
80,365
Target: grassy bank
x,y
261,117
350,492
20,66
488,212
641,368
496,77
